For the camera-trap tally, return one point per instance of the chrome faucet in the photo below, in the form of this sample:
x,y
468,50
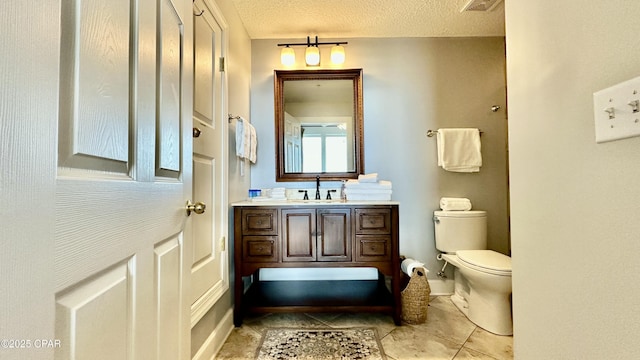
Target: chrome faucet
x,y
318,187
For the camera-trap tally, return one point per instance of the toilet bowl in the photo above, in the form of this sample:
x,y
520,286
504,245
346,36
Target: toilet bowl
x,y
482,278
483,288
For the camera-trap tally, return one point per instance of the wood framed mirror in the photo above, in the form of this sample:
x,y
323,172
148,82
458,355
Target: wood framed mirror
x,y
319,124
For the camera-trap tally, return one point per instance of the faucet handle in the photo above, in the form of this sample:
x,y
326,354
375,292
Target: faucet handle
x,y
306,196
329,193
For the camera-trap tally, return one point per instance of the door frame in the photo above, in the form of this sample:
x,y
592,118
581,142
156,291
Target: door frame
x,y
207,301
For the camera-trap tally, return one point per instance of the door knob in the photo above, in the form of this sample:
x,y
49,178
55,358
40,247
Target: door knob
x,y
196,132
197,208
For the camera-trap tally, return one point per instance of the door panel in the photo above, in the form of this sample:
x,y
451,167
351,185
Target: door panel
x,y
105,299
169,90
168,266
94,85
299,234
334,235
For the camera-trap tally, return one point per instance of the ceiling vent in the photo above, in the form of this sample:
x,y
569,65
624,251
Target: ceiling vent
x,y
480,5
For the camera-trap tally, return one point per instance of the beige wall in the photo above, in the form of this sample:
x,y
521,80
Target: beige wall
x,y
574,203
411,85
238,75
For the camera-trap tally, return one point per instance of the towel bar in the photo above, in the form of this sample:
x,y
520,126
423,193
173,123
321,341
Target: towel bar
x,y
231,117
432,133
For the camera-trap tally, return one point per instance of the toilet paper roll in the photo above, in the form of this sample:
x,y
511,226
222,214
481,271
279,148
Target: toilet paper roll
x,y
408,265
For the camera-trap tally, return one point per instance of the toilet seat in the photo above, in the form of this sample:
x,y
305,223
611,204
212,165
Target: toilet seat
x,y
487,261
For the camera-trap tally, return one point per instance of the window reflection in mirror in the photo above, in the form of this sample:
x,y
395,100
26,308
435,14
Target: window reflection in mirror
x,y
318,124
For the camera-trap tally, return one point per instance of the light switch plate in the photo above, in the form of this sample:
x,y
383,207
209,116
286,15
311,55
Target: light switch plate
x,y
617,111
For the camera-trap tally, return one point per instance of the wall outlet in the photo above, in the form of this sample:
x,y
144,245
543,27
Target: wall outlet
x,y
617,111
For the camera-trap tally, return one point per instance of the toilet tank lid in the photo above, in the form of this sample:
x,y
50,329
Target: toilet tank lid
x,y
470,213
488,259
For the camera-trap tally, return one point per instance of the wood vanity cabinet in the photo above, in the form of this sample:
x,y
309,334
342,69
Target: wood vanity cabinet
x,y
321,236
316,235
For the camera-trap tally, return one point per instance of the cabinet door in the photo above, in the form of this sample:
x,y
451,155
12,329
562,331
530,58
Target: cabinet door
x,y
334,234
298,235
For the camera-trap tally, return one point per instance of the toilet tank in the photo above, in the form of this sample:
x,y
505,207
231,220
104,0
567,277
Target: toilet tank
x,y
460,230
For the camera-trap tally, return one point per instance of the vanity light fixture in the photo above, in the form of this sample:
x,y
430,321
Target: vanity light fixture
x,y
312,53
287,56
337,54
312,56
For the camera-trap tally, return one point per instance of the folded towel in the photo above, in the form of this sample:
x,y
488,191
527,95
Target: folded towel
x,y
368,191
459,150
369,197
353,184
455,204
373,177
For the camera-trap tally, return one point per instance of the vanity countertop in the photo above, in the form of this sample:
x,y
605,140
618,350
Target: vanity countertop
x,y
297,202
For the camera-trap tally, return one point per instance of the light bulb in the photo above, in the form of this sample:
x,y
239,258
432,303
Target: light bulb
x,y
287,56
312,56
337,54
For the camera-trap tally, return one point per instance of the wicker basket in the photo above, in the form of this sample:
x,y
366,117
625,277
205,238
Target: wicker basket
x,y
415,298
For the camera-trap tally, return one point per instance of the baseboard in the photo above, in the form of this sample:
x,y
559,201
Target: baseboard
x,y
441,286
214,342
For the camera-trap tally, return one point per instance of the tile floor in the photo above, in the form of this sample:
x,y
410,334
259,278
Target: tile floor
x,y
446,335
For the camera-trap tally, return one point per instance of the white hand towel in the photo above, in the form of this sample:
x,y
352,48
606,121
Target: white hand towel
x,y
455,204
247,140
459,150
253,145
240,138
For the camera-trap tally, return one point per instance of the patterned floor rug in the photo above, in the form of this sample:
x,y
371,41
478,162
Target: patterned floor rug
x,y
320,344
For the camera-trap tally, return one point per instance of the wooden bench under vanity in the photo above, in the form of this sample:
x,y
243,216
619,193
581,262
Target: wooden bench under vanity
x,y
322,234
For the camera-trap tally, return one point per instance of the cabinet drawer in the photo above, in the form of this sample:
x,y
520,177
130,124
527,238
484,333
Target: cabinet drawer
x,y
373,248
260,222
373,221
259,249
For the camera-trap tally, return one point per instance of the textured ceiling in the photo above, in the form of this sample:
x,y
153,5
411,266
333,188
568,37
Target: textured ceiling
x,y
285,19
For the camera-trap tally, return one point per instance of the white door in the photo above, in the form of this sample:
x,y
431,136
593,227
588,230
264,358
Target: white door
x,y
210,274
96,121
293,144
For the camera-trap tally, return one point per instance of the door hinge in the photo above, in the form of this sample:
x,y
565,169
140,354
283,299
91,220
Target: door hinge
x,y
223,244
222,66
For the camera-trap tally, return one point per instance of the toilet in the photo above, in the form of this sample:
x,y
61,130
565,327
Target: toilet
x,y
482,277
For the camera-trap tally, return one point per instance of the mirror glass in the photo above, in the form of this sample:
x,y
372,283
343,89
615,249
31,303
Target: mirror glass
x,y
318,124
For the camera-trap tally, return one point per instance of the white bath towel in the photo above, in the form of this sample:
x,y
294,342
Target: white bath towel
x,y
369,197
368,194
373,177
355,184
459,150
455,204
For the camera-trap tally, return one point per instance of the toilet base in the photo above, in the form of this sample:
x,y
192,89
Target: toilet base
x,y
494,320
461,304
